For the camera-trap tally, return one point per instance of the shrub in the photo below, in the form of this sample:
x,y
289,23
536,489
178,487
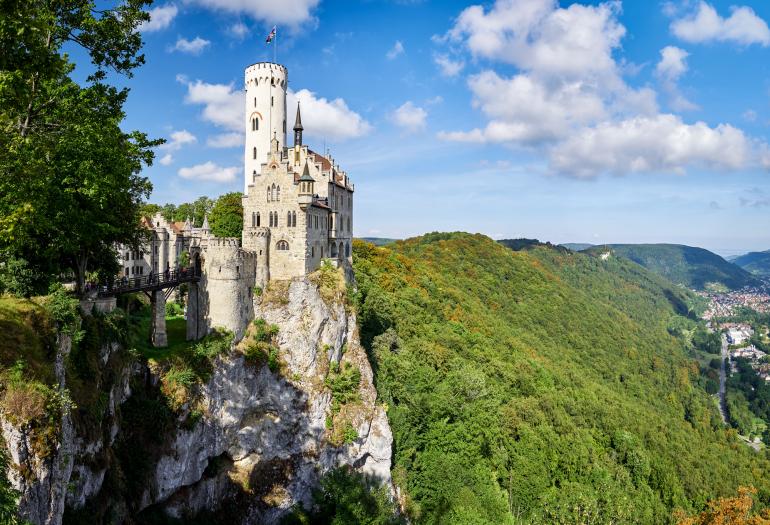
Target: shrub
x,y
330,281
174,309
17,278
343,383
272,360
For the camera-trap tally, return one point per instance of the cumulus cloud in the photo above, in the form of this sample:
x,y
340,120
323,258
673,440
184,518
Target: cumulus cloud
x,y
223,105
324,118
651,144
225,140
239,30
193,47
397,49
208,171
570,101
166,159
743,26
178,139
291,12
447,66
160,18
410,117
672,65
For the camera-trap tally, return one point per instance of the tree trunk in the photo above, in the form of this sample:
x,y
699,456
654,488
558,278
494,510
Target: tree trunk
x,y
81,262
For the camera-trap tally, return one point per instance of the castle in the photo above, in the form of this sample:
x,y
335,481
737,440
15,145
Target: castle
x,y
297,204
297,211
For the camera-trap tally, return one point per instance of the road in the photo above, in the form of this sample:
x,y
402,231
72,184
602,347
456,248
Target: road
x,y
723,381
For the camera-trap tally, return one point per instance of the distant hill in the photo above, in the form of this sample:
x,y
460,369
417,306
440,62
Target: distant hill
x,y
577,246
693,267
378,241
518,245
757,263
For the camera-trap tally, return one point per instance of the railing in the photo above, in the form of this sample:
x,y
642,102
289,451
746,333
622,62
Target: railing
x,y
152,281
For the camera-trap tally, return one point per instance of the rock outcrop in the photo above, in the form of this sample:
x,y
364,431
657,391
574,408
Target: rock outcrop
x,y
261,438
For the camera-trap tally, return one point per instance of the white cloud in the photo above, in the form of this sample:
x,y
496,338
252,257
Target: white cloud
x,y
239,30
750,115
225,140
410,117
448,67
166,159
209,171
323,118
290,12
537,35
743,26
652,144
160,18
193,47
397,49
178,139
672,65
569,98
223,104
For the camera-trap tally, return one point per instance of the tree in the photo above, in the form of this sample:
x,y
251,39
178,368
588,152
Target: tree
x,y
69,179
737,510
226,218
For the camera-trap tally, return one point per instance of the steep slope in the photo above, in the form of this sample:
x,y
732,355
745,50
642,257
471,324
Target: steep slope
x,y
757,263
539,386
692,267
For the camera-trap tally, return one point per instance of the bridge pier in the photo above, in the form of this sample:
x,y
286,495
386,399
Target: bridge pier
x,y
158,336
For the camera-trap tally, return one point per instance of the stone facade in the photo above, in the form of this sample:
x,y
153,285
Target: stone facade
x,y
298,204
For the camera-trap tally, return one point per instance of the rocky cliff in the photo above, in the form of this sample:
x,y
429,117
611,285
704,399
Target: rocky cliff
x,y
251,443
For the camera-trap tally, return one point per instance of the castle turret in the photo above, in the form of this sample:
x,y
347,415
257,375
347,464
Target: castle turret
x,y
298,128
266,85
306,188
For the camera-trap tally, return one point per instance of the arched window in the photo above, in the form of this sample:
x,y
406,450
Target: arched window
x,y
253,124
270,214
268,194
256,124
347,250
341,250
288,218
282,246
278,193
312,251
275,218
334,250
255,153
257,218
253,219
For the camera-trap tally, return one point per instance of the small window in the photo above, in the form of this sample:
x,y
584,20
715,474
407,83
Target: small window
x,y
288,218
282,246
268,194
253,219
294,219
255,101
257,218
271,101
278,193
255,153
312,251
256,124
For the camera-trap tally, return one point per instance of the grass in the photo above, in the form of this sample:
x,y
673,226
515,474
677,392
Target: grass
x,y
27,333
176,331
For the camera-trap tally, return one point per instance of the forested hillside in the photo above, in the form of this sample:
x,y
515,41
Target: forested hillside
x,y
757,263
540,386
692,267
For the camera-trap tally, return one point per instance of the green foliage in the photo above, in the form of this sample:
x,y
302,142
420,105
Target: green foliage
x,y
711,343
347,498
64,309
749,396
692,267
8,495
343,382
69,176
19,279
226,217
540,386
184,259
174,309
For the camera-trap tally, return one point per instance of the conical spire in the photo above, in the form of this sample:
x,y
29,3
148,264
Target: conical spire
x,y
298,120
298,128
205,222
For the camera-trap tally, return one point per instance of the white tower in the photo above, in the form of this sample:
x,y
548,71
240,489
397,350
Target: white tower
x,y
265,114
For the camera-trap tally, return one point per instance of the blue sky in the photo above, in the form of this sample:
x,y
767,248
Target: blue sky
x,y
633,121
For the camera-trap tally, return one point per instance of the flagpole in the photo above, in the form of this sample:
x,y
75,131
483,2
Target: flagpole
x,y
275,47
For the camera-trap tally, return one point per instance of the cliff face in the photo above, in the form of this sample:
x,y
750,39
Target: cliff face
x,y
253,445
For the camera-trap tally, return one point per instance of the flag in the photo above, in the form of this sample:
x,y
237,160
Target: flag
x,y
271,36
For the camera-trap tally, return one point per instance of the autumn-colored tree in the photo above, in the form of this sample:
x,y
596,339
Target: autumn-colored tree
x,y
737,510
